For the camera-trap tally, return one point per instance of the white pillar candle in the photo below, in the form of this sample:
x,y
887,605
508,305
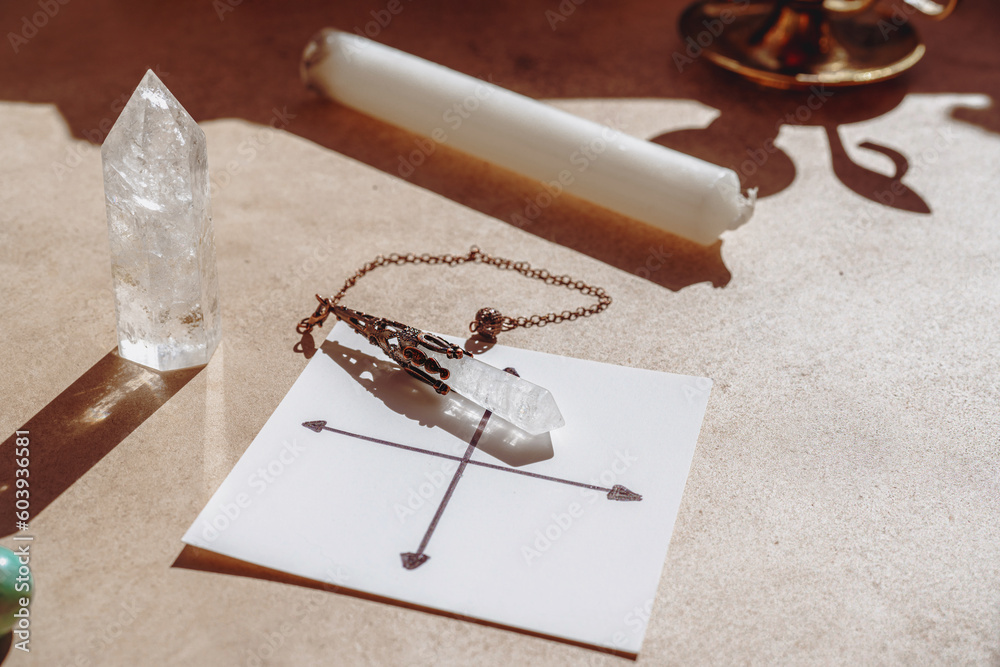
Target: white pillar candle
x,y
566,153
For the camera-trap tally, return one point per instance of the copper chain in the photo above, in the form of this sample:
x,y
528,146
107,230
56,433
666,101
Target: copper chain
x,y
477,256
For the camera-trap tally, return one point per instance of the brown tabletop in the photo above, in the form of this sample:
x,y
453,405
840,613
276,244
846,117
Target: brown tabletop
x,y
842,505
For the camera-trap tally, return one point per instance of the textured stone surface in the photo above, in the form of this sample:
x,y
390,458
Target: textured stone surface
x,y
842,504
160,227
520,402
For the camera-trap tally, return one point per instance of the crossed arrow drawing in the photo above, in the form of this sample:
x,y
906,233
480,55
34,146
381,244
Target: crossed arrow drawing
x,y
414,559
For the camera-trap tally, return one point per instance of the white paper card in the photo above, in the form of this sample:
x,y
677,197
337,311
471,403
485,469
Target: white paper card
x,y
534,549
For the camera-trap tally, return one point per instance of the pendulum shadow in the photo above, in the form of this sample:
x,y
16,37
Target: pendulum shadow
x,y
452,413
83,424
476,344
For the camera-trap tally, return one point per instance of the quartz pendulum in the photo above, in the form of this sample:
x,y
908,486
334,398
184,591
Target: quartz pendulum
x,y
156,186
448,367
526,405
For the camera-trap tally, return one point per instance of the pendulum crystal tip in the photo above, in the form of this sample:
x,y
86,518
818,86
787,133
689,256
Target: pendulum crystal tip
x,y
524,404
156,187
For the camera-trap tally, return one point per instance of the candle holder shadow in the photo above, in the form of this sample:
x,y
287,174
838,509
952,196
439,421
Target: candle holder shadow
x,y
744,139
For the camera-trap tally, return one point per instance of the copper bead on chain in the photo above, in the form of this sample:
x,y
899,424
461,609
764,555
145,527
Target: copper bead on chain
x,y
488,324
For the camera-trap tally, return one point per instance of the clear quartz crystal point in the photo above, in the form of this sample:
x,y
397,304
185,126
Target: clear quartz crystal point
x,y
520,402
156,186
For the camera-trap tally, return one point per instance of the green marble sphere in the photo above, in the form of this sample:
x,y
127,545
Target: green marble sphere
x,y
14,585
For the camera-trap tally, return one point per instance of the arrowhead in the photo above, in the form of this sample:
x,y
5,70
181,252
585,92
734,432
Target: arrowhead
x,y
315,426
619,492
412,561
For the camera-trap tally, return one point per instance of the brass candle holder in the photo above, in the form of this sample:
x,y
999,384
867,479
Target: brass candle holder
x,y
794,44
